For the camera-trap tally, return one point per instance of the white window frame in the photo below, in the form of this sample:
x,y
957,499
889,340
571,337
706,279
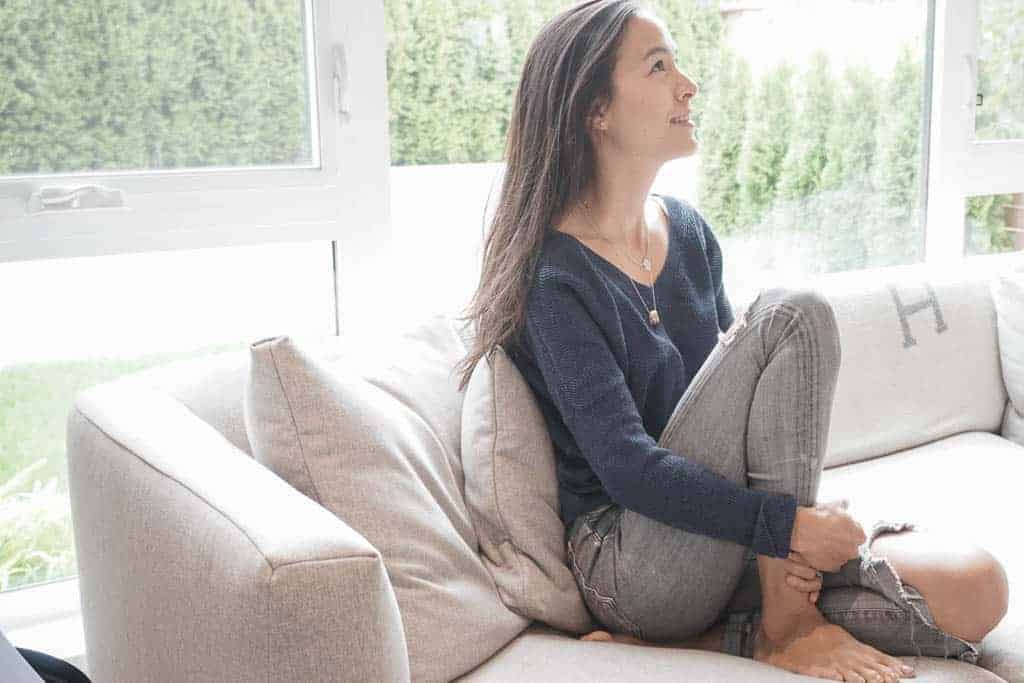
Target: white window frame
x,y
342,195
960,166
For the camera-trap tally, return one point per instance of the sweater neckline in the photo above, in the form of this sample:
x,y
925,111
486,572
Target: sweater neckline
x,y
668,250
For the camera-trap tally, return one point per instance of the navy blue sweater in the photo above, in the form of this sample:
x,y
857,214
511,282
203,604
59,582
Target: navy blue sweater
x,y
607,382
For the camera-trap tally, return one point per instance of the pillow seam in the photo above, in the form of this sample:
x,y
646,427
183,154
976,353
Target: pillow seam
x,y
494,487
298,439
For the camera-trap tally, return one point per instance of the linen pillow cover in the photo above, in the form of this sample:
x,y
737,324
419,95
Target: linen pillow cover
x,y
363,453
512,495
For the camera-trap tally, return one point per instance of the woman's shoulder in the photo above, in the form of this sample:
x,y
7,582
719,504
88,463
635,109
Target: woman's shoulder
x,y
560,273
688,222
678,209
563,278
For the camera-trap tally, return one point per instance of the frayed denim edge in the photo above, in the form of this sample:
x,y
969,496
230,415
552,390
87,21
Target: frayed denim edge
x,y
878,574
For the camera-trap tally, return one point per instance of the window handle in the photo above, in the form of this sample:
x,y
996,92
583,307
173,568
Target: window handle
x,y
340,83
971,101
57,198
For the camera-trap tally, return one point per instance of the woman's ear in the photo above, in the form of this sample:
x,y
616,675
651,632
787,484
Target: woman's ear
x,y
597,119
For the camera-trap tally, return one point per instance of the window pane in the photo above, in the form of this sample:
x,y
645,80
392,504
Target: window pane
x,y
78,322
810,136
1000,114
994,224
123,85
452,68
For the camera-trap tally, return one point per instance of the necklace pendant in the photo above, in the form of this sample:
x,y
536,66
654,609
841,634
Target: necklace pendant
x,y
654,316
646,263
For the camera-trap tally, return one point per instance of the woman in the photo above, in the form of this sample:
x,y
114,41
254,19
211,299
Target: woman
x,y
611,303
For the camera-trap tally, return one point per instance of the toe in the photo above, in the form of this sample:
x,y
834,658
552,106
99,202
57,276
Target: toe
x,y
597,635
877,672
903,669
828,674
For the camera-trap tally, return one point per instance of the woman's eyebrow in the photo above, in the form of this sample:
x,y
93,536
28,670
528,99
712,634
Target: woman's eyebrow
x,y
661,48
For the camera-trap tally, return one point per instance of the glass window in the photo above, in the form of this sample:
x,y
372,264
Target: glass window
x,y
452,68
1000,105
126,86
994,224
81,321
810,136
811,139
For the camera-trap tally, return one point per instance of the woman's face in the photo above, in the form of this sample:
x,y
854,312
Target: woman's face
x,y
649,91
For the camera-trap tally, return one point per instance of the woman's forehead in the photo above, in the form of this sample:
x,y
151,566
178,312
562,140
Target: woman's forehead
x,y
645,36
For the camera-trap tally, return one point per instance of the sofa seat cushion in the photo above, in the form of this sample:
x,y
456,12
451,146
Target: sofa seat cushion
x,y
966,485
542,653
367,455
978,470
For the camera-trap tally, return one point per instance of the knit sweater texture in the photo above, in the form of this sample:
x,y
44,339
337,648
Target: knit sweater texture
x,y
607,381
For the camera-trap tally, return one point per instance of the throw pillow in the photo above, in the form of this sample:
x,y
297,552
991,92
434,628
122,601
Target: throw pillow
x,y
512,495
1008,297
364,454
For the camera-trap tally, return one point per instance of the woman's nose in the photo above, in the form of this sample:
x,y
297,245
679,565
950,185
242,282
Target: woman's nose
x,y
686,87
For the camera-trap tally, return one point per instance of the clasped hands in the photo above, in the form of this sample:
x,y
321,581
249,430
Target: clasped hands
x,y
828,535
802,576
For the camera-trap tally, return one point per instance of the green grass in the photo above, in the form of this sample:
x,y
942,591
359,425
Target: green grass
x,y
36,541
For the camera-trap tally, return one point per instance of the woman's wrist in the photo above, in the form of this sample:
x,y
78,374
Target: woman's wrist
x,y
796,541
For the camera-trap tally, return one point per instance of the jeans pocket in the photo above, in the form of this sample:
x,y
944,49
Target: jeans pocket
x,y
593,566
607,612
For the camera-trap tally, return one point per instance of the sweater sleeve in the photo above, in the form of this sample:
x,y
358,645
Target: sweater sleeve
x,y
589,390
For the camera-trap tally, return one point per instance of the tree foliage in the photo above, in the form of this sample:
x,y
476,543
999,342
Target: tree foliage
x,y
128,84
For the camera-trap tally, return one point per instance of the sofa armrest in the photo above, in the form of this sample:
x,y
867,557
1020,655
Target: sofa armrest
x,y
197,563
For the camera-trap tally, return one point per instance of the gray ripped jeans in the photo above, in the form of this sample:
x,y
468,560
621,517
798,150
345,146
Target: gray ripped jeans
x,y
757,412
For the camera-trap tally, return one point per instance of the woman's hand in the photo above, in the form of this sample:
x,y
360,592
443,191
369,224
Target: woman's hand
x,y
802,576
826,535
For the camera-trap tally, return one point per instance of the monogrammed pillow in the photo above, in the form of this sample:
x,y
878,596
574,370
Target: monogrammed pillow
x,y
364,452
512,496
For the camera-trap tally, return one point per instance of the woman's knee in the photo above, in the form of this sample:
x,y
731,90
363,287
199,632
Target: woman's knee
x,y
981,591
809,301
812,308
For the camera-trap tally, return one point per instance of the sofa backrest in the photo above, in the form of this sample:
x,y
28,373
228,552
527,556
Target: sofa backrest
x,y
920,360
417,368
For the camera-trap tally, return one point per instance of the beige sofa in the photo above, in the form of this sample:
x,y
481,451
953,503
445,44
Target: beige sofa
x,y
197,563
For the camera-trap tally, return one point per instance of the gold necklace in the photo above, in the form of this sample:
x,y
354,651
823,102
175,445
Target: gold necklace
x,y
645,264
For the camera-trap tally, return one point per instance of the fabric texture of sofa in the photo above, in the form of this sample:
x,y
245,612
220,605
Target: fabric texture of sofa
x,y
300,512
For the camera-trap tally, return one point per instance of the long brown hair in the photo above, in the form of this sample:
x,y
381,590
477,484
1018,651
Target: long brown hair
x,y
549,160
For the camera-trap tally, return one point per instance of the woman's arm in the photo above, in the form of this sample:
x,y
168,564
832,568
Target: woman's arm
x,y
589,389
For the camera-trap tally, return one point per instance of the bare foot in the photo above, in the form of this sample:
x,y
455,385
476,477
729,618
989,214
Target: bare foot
x,y
826,650
709,640
617,637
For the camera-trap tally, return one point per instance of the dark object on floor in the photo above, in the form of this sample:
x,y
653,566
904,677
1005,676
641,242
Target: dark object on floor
x,y
51,669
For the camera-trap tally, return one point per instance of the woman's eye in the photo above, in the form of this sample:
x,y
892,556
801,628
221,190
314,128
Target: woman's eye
x,y
660,61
